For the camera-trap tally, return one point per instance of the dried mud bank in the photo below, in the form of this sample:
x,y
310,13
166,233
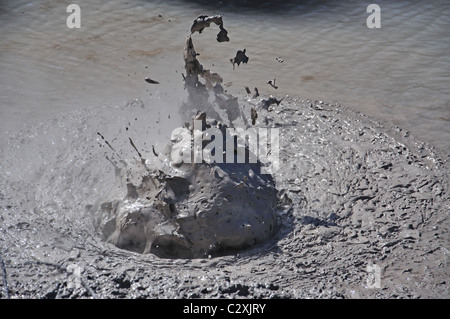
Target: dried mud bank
x,y
358,194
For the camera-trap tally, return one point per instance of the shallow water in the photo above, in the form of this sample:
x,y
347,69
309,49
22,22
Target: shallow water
x,y
397,73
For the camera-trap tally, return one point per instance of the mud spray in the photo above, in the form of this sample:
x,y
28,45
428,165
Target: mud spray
x,y
93,204
185,208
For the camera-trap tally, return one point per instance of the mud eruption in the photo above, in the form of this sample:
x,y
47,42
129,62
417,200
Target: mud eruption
x,y
182,210
192,211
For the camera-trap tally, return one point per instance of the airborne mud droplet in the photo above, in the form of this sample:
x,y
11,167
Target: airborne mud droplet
x,y
239,58
254,115
204,21
256,93
272,83
222,36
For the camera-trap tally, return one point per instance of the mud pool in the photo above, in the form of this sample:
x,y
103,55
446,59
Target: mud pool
x,y
352,192
357,191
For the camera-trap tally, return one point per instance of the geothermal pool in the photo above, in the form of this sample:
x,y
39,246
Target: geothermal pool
x,y
355,192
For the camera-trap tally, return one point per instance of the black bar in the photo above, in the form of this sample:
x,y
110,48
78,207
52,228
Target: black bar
x,y
218,308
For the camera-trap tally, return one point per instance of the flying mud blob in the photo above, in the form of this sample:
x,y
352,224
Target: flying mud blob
x,y
222,36
148,80
272,83
239,58
183,210
254,115
256,93
174,206
204,21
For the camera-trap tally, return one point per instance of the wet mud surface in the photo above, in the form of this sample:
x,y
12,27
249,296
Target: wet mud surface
x,y
357,193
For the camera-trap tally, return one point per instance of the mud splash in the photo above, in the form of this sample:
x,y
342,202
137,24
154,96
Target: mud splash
x,y
183,210
189,210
